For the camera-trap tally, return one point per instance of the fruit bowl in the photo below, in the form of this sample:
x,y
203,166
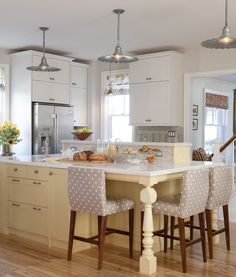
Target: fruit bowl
x,y
81,136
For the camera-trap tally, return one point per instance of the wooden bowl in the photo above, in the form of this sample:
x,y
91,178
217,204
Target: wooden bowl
x,y
81,136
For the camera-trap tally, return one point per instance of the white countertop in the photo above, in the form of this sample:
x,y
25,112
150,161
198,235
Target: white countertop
x,y
157,168
128,143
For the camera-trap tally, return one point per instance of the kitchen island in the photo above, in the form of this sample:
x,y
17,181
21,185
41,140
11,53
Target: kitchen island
x,y
34,200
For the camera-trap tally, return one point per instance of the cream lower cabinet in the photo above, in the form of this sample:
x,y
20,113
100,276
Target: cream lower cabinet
x,y
28,199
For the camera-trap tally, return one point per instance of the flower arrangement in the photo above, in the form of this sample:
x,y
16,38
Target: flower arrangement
x,y
9,134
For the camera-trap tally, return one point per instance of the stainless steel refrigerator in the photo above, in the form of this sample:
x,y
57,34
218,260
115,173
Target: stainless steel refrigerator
x,y
51,124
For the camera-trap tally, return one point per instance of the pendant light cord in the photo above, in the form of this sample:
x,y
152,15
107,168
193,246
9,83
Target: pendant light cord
x,y
118,29
226,12
44,43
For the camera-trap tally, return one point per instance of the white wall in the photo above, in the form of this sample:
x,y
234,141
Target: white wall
x,y
4,57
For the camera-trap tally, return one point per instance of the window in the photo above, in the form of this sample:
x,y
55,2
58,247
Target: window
x,y
215,126
116,106
4,96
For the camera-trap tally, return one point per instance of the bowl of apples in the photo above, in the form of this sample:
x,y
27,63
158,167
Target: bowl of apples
x,y
82,133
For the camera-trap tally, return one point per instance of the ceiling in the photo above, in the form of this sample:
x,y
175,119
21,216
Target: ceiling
x,y
86,29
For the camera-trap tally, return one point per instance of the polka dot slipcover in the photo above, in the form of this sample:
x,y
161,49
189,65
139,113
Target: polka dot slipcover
x,y
220,186
87,193
192,199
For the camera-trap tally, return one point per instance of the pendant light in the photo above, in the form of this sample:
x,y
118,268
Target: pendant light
x,y
109,92
43,66
225,41
118,56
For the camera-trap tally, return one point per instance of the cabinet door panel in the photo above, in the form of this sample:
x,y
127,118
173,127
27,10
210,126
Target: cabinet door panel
x,y
61,93
28,218
79,101
138,71
42,92
61,76
79,76
159,69
139,101
159,103
27,191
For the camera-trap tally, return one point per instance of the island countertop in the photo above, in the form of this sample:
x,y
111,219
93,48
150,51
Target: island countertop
x,y
144,168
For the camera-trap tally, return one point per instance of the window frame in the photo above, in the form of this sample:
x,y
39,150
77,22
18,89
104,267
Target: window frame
x,y
104,75
6,107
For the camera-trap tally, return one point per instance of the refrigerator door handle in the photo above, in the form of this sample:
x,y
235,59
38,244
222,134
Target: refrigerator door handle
x,y
55,131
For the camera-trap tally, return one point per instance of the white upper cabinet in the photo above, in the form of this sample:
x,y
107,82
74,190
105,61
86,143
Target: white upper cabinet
x,y
50,92
78,93
61,77
156,90
150,69
79,76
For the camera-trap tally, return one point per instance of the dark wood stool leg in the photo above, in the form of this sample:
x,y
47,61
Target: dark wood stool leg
x,y
141,233
182,243
71,234
226,223
103,223
172,231
209,232
99,226
131,232
165,231
191,226
203,235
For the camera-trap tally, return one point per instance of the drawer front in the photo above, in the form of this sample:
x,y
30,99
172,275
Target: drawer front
x,y
16,170
37,172
35,192
28,218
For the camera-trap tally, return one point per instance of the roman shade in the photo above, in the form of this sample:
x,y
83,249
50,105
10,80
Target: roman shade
x,y
216,101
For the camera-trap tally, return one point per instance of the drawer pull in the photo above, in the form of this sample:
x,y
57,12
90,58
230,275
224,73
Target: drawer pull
x,y
50,173
37,183
15,180
15,204
36,209
15,169
36,171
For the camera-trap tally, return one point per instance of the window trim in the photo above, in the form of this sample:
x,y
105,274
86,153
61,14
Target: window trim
x,y
103,86
7,92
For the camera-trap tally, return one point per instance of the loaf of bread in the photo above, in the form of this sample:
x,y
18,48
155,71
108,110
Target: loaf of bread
x,y
82,156
97,157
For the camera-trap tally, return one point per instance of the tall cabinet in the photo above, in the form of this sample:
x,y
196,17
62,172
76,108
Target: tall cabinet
x,y
156,90
78,92
44,87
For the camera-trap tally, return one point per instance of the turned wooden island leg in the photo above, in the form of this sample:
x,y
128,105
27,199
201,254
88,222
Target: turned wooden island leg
x,y
147,263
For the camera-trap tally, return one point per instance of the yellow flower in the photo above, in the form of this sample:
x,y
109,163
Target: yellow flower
x,y
17,131
10,141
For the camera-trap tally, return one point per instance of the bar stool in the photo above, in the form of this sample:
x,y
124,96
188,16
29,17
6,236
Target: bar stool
x,y
87,194
192,201
220,189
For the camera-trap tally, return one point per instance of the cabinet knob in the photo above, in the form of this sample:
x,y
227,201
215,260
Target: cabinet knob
x,y
15,180
52,99
15,169
37,183
50,173
51,78
36,171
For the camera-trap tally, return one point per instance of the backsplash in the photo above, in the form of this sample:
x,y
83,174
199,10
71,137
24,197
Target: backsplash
x,y
158,134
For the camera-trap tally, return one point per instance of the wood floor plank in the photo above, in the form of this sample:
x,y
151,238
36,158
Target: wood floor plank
x,y
24,258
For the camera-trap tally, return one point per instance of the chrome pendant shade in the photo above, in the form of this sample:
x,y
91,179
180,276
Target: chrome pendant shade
x,y
225,41
118,56
43,66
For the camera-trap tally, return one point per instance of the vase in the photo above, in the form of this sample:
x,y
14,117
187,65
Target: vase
x,y
6,150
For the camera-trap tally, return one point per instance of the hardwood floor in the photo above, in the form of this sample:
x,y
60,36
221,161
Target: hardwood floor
x,y
24,258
